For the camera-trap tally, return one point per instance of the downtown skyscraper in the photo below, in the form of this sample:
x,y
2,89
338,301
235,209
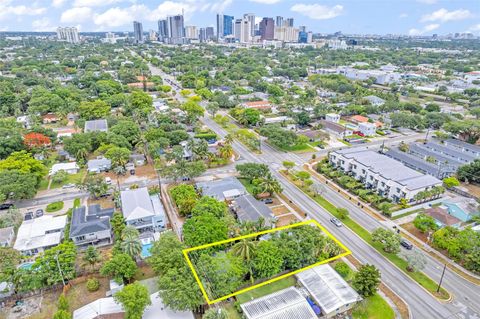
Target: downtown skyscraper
x,y
267,29
138,32
224,25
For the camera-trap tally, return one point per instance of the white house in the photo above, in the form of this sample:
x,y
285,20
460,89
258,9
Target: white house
x,y
37,235
375,100
6,236
142,211
367,129
383,174
332,117
70,168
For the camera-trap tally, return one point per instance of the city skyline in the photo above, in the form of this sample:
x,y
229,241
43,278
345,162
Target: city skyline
x,y
410,17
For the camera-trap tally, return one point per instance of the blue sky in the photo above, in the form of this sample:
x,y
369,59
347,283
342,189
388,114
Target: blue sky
x,y
413,17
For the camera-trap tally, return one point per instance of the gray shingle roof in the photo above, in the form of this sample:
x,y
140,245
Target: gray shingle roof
x,y
99,164
97,219
217,188
137,203
96,125
250,209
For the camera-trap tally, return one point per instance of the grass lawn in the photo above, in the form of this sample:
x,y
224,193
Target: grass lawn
x,y
425,281
71,179
267,289
301,148
374,307
231,311
54,207
247,185
43,184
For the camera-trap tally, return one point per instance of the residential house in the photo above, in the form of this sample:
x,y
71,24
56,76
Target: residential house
x,y
39,234
259,105
143,211
98,165
367,129
462,208
382,174
225,189
285,303
6,236
96,126
375,100
25,121
337,129
69,168
329,290
332,117
92,226
50,118
442,217
277,119
247,208
137,159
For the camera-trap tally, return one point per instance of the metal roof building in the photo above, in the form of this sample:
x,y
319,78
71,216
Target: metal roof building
x,y
284,304
222,189
248,208
328,289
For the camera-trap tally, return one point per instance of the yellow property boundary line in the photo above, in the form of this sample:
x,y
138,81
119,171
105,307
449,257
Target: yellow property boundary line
x,y
307,222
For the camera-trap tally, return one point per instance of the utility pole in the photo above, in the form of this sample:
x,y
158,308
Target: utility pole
x,y
441,278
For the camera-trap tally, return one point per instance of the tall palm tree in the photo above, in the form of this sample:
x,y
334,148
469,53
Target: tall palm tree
x,y
245,249
226,151
91,257
129,232
228,139
131,246
270,185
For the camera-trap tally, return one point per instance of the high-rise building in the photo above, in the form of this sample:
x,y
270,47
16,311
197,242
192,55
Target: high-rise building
x,y
162,30
242,30
138,32
309,37
286,34
302,28
202,34
250,17
176,30
209,33
152,35
224,25
289,22
191,32
279,21
69,34
302,37
267,29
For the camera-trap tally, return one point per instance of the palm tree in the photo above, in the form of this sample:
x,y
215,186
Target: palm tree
x,y
245,249
270,185
129,232
81,154
131,246
91,257
228,139
226,151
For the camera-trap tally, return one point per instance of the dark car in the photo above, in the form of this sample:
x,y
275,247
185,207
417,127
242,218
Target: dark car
x,y
406,244
5,206
267,200
28,216
39,212
336,222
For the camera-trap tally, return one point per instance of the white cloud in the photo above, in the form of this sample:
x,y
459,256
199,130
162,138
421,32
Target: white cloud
x,y
76,15
425,29
474,28
7,10
57,3
403,15
42,24
317,11
443,15
266,1
94,3
116,17
220,6
428,1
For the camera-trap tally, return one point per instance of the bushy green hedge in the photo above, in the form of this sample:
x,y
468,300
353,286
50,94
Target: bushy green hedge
x,y
206,136
54,207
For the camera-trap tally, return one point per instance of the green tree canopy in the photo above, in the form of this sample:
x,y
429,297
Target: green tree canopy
x,y
366,280
121,267
134,299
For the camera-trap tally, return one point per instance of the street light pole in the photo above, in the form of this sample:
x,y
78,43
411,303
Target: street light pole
x,y
441,278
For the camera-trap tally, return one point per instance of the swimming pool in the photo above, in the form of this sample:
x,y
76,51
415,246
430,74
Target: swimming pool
x,y
26,266
147,243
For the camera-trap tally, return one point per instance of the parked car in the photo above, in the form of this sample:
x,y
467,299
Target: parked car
x,y
28,216
406,244
5,206
108,180
267,200
39,212
68,186
336,222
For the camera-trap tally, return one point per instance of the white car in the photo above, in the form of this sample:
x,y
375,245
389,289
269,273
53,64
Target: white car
x,y
108,180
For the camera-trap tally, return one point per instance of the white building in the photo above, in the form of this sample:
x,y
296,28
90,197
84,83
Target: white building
x,y
191,32
367,129
243,30
382,174
286,303
37,235
69,34
286,34
142,211
328,289
69,168
332,117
